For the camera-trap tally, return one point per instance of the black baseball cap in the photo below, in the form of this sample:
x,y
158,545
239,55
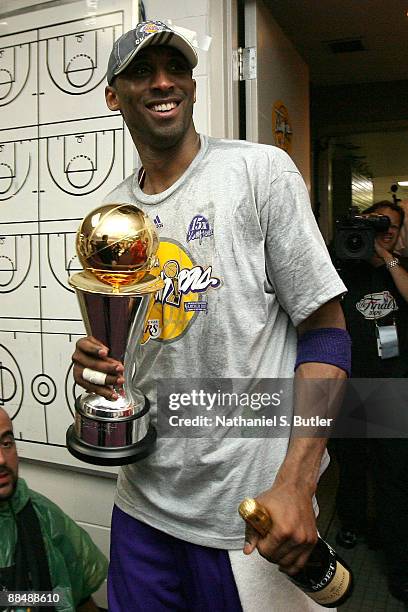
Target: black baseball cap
x,y
146,33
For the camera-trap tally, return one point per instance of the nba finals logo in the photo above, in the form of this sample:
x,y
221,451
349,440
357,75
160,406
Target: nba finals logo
x,y
377,305
199,228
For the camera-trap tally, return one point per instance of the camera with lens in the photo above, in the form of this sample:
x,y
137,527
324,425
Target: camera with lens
x,y
355,234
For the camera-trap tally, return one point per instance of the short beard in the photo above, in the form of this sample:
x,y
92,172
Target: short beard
x,y
14,479
164,141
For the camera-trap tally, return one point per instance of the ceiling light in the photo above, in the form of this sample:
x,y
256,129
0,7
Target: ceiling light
x,y
403,183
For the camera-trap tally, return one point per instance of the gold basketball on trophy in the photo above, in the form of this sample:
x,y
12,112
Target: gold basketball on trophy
x,y
117,243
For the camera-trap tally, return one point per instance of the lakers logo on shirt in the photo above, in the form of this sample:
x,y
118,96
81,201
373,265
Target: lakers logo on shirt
x,y
183,297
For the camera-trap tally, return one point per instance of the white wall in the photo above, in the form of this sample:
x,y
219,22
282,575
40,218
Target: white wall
x,y
282,75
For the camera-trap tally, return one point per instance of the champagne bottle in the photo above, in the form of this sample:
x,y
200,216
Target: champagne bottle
x,y
325,578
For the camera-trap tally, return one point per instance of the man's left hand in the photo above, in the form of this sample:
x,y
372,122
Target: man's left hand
x,y
293,532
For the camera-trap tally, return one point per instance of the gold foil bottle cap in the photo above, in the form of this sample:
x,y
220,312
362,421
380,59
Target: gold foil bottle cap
x,y
255,515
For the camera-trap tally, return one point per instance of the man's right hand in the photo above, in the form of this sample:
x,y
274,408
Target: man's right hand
x,y
92,354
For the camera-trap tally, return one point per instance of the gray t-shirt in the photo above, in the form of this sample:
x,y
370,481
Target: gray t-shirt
x,y
243,263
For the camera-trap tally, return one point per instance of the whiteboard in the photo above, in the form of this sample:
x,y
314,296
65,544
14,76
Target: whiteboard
x,y
61,152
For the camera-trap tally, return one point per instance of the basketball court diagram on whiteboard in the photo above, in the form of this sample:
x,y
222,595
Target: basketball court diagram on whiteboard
x,y
61,152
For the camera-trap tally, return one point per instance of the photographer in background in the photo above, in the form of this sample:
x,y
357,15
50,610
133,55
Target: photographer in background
x,y
376,313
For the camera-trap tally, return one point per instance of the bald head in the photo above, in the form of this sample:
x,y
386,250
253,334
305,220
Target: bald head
x,y
8,457
5,419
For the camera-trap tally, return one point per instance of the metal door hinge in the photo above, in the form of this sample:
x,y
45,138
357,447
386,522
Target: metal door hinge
x,y
246,63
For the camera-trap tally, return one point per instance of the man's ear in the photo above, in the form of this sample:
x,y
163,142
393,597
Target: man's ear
x,y
195,90
111,98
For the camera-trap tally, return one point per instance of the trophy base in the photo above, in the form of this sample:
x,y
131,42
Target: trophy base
x,y
112,456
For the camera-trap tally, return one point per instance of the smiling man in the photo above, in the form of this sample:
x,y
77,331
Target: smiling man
x,y
245,269
41,548
153,88
162,117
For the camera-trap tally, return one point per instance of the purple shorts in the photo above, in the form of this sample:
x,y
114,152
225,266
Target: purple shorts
x,y
151,571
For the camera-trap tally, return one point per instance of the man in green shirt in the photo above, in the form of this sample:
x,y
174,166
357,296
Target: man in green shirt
x,y
41,548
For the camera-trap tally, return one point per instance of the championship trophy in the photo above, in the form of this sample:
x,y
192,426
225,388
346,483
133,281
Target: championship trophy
x,y
116,245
